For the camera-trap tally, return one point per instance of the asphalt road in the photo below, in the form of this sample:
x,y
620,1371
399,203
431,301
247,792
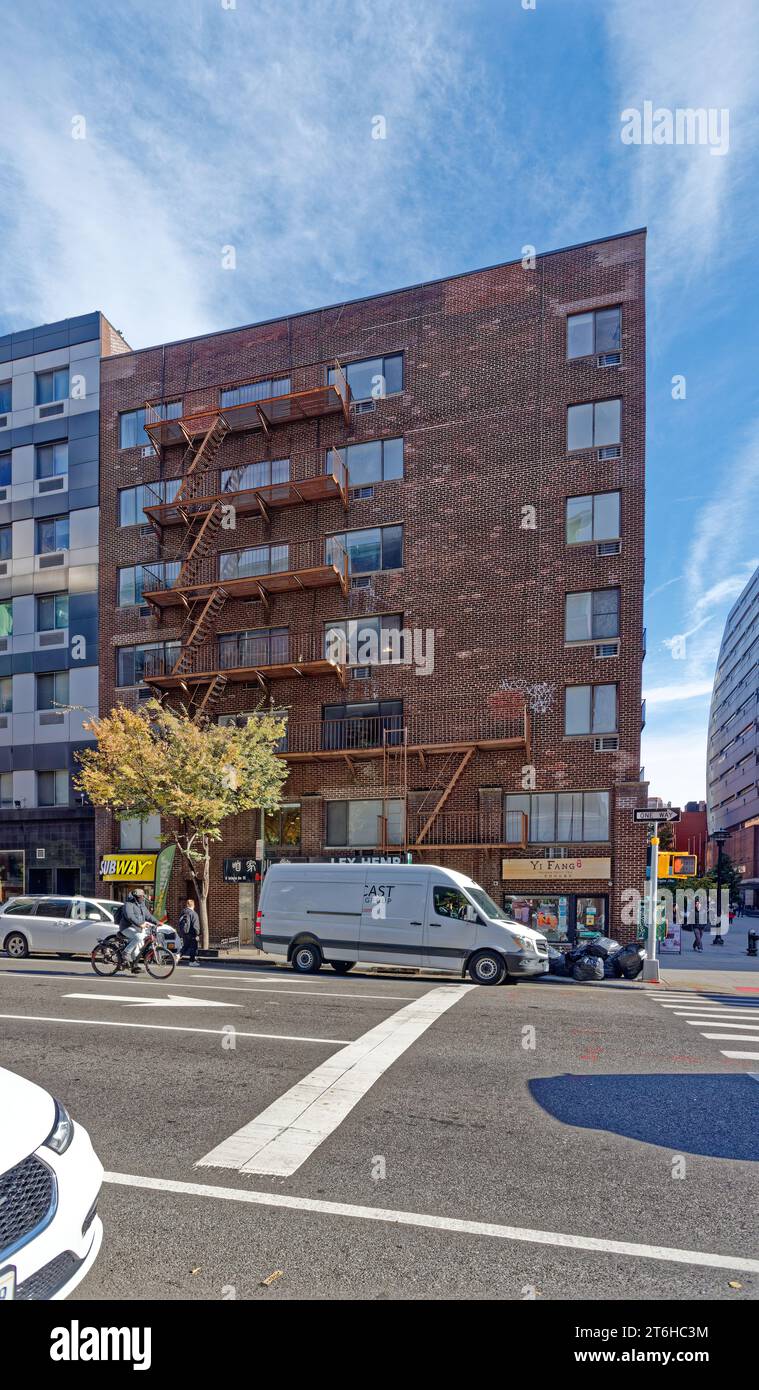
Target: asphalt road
x,y
453,1111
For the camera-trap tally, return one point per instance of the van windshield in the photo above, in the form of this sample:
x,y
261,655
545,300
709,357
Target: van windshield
x,y
485,904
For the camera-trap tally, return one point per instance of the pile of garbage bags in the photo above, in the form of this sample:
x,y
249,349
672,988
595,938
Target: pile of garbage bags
x,y
598,958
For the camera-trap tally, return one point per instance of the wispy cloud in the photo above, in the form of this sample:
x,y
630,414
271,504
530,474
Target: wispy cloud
x,y
673,694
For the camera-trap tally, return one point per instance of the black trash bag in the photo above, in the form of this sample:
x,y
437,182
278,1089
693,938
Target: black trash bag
x,y
588,968
604,946
555,961
628,962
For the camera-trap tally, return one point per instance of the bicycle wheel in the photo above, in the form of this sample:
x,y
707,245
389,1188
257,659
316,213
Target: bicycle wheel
x,y
159,963
105,959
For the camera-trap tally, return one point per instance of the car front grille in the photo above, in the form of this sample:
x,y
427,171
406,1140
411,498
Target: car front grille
x,y
48,1280
541,947
27,1202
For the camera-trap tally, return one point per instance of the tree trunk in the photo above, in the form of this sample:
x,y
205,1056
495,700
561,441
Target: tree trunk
x,y
203,886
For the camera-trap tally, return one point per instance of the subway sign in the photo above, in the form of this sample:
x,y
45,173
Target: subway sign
x,y
128,868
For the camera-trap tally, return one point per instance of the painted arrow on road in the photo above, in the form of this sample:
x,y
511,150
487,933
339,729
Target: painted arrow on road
x,y
172,1001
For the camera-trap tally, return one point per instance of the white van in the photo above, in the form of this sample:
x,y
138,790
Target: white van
x,y
392,914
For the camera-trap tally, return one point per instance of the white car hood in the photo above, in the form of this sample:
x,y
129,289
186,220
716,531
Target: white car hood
x,y
517,929
27,1115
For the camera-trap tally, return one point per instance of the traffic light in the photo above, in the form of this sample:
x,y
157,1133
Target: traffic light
x,y
678,865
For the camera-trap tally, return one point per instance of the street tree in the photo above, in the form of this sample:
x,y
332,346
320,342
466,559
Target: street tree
x,y
194,775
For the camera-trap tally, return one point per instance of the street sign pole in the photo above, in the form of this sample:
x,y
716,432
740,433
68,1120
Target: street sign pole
x,y
651,964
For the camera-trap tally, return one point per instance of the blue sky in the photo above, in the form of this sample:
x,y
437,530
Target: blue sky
x,y
248,123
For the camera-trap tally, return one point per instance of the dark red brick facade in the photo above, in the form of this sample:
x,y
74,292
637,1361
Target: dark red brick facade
x,y
483,418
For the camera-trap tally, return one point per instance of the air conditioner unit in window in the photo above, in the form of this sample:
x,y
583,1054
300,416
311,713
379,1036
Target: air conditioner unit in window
x,y
361,673
147,451
610,451
609,743
609,359
364,407
363,581
361,494
609,548
606,649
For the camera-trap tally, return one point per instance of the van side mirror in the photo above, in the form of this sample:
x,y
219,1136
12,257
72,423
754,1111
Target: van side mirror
x,y
471,914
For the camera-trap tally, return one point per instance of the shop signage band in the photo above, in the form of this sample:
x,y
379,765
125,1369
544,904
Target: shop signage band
x,y
657,815
128,868
556,870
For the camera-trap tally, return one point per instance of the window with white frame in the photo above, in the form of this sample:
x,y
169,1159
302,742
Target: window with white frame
x,y
51,386
594,517
590,709
598,331
594,425
53,788
358,825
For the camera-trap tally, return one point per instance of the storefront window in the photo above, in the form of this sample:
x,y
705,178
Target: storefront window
x,y
282,827
591,915
548,914
11,873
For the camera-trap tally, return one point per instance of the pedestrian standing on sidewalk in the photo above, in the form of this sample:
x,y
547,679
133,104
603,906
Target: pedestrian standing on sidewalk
x,y
189,930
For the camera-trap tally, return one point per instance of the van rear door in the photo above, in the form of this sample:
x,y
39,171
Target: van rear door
x,y
392,922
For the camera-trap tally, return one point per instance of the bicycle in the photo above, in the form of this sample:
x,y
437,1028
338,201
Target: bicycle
x,y
108,958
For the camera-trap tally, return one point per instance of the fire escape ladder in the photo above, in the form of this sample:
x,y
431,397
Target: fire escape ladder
x,y
464,762
213,694
199,629
197,460
199,546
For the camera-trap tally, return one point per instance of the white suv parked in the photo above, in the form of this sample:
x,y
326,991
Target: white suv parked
x,y
43,924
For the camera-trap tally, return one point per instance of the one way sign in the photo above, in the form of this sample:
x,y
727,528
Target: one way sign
x,y
657,815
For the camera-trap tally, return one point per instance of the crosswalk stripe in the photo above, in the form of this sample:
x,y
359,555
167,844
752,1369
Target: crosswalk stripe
x,y
747,1056
732,1037
715,1022
288,1131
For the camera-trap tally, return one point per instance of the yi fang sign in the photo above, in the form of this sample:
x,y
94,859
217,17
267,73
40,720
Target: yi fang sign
x,y
555,870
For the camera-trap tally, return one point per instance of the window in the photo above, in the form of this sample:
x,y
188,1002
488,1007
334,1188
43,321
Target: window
x,y
6,469
376,462
52,534
6,694
255,391
6,542
258,559
362,724
83,911
6,788
560,817
53,790
52,386
53,690
450,902
593,518
372,377
52,460
371,641
6,392
6,618
155,657
356,823
23,907
599,331
132,424
593,425
590,709
134,580
261,474
133,500
282,827
52,612
377,548
140,834
592,616
265,646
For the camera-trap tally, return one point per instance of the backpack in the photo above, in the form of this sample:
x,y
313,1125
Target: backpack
x,y
118,916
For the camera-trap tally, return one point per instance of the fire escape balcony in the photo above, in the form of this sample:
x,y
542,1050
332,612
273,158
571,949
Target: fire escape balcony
x,y
246,660
257,572
327,399
467,830
313,483
368,737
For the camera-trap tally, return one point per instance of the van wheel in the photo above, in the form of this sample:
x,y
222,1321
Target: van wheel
x,y
341,967
487,968
306,959
16,945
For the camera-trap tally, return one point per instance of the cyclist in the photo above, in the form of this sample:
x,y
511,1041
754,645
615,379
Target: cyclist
x,y
134,915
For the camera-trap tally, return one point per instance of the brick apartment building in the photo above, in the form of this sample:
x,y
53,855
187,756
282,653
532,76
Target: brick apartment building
x,y
461,461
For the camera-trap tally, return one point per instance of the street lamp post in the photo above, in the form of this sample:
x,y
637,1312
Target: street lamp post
x,y
719,838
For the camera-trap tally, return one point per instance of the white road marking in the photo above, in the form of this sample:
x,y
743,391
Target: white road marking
x,y
750,1056
169,1028
713,1022
439,1223
284,1135
140,1001
734,1037
351,995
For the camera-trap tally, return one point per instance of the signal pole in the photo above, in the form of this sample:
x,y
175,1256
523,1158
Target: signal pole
x,y
651,964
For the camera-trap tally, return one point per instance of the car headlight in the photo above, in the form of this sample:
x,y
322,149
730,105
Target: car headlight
x,y
62,1132
523,942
